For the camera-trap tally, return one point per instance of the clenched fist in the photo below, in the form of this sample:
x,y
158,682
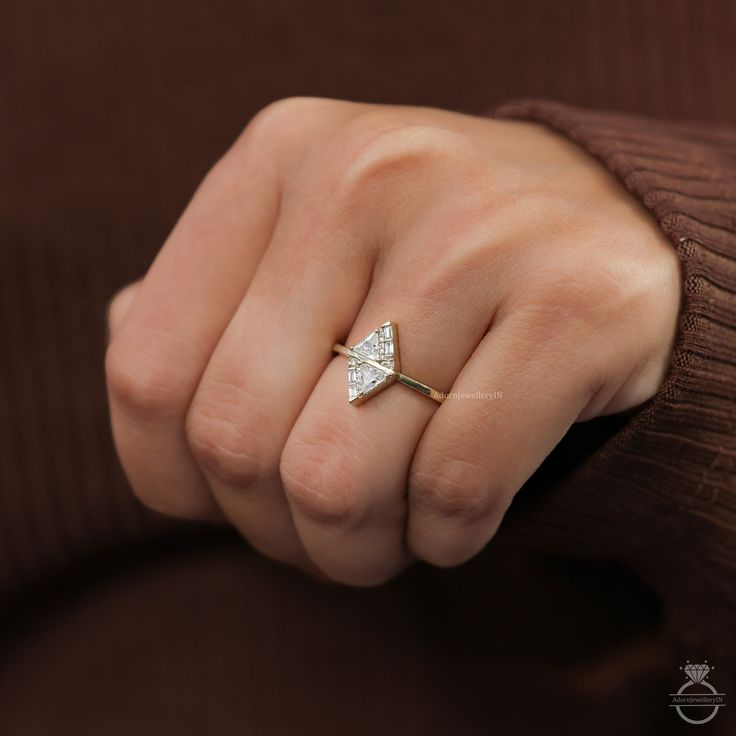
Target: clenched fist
x,y
524,279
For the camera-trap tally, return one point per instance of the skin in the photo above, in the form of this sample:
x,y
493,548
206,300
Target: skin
x,y
511,261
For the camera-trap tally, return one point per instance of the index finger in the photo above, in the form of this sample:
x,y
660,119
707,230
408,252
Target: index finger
x,y
187,298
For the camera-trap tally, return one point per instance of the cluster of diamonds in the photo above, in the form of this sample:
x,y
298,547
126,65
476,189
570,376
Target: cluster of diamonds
x,y
364,378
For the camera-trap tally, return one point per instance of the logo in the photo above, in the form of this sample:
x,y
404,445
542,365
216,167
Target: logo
x,y
697,701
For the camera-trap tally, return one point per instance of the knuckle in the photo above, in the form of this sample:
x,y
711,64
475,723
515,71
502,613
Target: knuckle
x,y
375,148
435,287
224,430
580,290
279,122
317,477
142,385
456,490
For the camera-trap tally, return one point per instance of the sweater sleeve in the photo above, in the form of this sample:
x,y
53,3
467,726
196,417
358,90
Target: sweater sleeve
x,y
660,490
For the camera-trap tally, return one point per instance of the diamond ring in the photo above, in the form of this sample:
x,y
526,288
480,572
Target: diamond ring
x,y
374,364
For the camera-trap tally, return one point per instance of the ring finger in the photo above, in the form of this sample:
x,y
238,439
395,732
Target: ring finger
x,y
344,468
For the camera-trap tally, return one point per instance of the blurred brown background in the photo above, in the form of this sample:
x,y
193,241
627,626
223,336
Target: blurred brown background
x,y
117,622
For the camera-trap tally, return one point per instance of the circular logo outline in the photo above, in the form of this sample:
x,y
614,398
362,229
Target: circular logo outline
x,y
716,706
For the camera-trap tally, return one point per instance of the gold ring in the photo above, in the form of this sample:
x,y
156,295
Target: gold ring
x,y
374,364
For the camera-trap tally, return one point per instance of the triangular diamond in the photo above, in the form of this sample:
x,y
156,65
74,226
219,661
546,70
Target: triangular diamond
x,y
366,380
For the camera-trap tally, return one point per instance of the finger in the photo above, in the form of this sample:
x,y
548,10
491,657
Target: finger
x,y
511,404
185,302
307,291
306,294
118,308
345,468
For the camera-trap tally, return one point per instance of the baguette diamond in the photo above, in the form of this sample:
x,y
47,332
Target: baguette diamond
x,y
373,365
366,380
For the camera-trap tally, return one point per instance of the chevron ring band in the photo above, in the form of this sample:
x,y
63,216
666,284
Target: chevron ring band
x,y
374,364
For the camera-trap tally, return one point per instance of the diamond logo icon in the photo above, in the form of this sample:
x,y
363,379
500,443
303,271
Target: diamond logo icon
x,y
697,701
696,672
373,364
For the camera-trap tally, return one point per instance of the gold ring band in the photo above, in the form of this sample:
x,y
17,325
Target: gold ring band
x,y
374,364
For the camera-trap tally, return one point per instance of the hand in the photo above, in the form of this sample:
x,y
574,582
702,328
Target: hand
x,y
512,263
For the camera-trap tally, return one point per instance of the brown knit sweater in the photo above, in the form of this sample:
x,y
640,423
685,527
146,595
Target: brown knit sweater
x,y
661,493
117,621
